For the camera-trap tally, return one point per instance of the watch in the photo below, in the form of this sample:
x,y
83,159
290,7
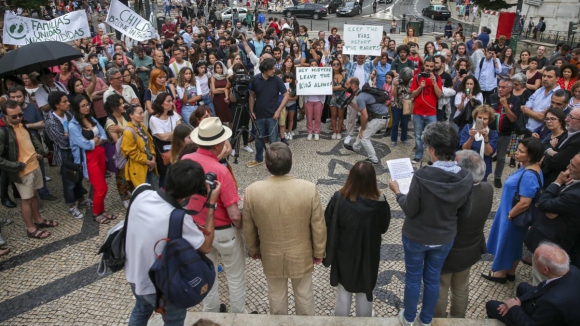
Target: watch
x,y
208,205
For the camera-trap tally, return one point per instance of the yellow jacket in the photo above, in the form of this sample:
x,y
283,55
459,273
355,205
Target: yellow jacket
x,y
136,168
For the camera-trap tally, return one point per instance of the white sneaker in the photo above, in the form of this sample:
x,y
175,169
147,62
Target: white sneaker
x,y
309,137
289,136
74,211
418,322
338,136
248,149
285,134
402,319
333,136
233,152
292,133
347,139
126,203
316,137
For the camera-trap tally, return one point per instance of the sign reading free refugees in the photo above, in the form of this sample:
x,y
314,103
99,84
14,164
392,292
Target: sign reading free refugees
x,y
128,22
362,39
21,30
313,81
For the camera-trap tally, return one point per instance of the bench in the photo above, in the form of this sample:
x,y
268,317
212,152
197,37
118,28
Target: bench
x,y
528,43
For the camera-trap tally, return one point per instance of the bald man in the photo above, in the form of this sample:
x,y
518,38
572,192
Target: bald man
x,y
555,301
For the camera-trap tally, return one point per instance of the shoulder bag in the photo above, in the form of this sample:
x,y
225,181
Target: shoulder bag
x,y
73,172
533,213
407,106
332,234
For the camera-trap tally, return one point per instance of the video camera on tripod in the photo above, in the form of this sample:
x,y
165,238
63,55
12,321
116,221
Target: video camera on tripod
x,y
242,83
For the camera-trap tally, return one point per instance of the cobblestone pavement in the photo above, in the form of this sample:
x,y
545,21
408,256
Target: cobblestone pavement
x,y
54,281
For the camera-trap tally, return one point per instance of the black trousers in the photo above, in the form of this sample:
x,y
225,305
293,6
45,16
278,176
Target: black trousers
x,y
4,182
491,306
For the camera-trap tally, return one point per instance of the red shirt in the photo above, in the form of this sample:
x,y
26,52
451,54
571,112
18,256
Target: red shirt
x,y
168,31
570,83
228,193
417,61
426,101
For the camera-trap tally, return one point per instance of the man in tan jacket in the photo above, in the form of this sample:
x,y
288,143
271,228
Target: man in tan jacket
x,y
284,227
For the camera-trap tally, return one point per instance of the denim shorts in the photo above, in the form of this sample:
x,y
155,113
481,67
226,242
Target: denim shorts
x,y
291,108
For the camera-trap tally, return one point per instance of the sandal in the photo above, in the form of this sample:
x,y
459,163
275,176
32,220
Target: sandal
x,y
4,251
110,216
101,219
38,234
46,224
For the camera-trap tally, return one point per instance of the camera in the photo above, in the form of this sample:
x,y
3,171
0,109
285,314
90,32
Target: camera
x,y
462,72
425,74
242,82
210,179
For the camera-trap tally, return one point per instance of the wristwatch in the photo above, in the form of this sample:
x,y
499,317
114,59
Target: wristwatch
x,y
208,205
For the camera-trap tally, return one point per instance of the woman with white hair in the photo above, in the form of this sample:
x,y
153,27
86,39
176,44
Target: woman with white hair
x,y
401,92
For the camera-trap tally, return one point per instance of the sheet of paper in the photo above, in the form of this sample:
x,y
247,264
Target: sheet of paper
x,y
404,185
402,171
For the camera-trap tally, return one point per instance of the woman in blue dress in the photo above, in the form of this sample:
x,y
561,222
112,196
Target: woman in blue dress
x,y
505,240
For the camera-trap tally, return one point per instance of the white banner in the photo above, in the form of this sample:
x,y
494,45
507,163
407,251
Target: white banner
x,y
129,23
313,81
21,30
362,39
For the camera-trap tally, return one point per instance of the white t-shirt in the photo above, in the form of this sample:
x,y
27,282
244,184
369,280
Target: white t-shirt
x,y
159,126
41,94
202,85
144,230
176,67
359,73
128,93
62,120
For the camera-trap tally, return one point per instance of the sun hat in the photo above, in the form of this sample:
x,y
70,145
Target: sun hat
x,y
210,132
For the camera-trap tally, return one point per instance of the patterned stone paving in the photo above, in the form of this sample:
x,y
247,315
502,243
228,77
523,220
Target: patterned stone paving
x,y
54,281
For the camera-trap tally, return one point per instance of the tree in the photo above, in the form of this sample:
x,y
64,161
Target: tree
x,y
493,4
29,4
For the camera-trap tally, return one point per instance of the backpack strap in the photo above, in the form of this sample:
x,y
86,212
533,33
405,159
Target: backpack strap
x,y
176,224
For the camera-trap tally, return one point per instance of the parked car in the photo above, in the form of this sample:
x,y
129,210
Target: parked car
x,y
436,12
226,14
349,9
315,11
331,5
385,1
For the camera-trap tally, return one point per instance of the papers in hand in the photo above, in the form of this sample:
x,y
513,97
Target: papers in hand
x,y
401,171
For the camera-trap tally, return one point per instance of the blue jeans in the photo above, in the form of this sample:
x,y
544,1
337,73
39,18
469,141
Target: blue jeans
x,y
186,112
167,11
206,99
419,124
72,192
422,262
267,127
399,118
144,307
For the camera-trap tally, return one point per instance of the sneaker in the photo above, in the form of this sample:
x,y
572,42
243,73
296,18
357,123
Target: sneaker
x,y
254,163
88,202
285,141
6,222
333,136
372,162
415,161
292,133
47,178
393,143
418,321
316,137
126,203
74,211
405,142
309,137
289,136
50,198
402,319
223,308
285,134
248,149
347,139
349,147
338,136
497,183
233,152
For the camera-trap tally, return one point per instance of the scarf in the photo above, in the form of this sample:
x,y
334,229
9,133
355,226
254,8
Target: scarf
x,y
221,76
479,137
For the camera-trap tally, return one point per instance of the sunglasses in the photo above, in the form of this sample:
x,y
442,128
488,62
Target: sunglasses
x,y
16,116
336,64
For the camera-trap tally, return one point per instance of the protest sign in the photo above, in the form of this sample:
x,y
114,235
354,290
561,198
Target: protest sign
x,y
362,39
129,23
20,30
313,81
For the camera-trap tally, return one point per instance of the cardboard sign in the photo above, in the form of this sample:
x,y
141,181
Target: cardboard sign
x,y
362,39
21,30
129,23
313,80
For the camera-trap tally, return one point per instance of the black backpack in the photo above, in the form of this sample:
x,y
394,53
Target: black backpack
x,y
381,96
543,28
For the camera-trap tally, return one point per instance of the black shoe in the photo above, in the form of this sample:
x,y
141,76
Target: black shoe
x,y
50,198
372,162
510,278
223,308
512,162
349,147
254,312
497,183
8,203
387,132
501,280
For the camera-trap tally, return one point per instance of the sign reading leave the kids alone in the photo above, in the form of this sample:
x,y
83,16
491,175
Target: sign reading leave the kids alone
x,y
313,80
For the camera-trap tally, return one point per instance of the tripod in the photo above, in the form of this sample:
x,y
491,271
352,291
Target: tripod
x,y
241,108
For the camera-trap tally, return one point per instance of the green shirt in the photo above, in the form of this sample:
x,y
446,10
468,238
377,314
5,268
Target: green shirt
x,y
147,62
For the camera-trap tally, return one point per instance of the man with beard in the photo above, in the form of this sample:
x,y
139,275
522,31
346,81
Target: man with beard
x,y
415,57
443,102
402,60
158,62
95,87
47,85
143,65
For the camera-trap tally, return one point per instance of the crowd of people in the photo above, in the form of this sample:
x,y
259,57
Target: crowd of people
x,y
179,103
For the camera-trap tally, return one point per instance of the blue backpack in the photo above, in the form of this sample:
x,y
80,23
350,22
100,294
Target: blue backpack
x,y
181,275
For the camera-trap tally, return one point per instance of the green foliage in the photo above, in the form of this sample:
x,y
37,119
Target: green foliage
x,y
28,4
493,5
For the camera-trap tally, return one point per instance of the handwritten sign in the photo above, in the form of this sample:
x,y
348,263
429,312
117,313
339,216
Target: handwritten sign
x,y
128,22
313,81
20,30
362,39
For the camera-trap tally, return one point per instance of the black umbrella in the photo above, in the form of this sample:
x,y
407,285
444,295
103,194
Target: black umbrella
x,y
35,56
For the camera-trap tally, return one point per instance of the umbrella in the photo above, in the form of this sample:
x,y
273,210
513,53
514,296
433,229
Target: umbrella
x,y
35,56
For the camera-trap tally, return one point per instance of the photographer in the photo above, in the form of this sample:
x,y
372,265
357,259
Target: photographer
x,y
265,107
185,179
254,59
211,137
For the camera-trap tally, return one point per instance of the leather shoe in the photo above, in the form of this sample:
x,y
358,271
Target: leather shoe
x,y
489,277
510,278
8,203
349,147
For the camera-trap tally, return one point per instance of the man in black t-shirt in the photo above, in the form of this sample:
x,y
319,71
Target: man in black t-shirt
x,y
402,60
507,109
444,101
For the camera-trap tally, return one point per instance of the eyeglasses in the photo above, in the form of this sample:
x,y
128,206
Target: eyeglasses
x,y
550,119
120,77
16,116
569,116
126,75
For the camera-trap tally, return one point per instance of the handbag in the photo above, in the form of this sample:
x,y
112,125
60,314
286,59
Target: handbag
x,y
407,107
332,235
110,152
73,172
527,218
520,125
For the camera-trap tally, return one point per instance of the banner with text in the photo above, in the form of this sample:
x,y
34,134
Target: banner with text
x,y
21,30
362,39
313,81
129,23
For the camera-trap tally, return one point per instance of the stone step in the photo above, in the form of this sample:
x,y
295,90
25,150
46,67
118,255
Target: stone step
x,y
227,319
